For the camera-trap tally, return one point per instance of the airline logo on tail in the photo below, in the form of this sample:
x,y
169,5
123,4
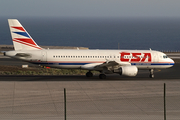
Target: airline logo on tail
x,y
21,38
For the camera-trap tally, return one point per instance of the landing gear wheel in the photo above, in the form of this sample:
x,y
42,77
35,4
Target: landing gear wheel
x,y
102,76
89,74
151,73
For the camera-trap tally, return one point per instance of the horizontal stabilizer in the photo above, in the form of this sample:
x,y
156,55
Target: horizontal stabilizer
x,y
22,55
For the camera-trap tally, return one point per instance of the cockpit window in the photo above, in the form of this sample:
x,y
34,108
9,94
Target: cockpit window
x,y
165,56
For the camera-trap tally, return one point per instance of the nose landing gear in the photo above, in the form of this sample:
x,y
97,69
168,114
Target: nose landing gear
x,y
151,73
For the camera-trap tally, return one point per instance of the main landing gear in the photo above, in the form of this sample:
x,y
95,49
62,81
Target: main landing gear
x,y
151,73
102,76
90,74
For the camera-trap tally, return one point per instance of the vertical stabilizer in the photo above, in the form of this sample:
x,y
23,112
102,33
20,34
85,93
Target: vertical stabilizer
x,y
21,39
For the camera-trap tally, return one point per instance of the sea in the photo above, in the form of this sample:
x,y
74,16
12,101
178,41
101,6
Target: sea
x,y
161,34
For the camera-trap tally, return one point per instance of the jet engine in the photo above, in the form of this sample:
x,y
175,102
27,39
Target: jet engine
x,y
128,70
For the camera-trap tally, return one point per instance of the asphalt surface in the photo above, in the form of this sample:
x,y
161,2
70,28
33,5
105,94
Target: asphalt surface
x,y
115,98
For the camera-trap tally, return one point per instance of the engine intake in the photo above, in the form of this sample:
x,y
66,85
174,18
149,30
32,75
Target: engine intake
x,y
128,70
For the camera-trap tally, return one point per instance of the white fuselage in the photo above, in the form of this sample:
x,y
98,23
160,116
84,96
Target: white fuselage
x,y
79,59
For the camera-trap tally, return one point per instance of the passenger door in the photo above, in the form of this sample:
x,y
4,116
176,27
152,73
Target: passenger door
x,y
44,58
155,57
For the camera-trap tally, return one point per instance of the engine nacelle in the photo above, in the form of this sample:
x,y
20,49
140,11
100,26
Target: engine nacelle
x,y
128,70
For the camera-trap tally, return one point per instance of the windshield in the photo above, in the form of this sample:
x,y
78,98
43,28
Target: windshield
x,y
165,56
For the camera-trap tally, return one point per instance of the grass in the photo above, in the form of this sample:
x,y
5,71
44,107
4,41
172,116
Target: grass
x,y
14,70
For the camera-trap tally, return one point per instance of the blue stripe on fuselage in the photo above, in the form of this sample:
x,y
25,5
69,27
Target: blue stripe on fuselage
x,y
60,63
152,64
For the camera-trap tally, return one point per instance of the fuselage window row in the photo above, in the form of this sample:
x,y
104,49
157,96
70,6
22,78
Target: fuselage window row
x,y
57,56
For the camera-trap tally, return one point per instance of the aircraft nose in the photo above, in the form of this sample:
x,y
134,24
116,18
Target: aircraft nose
x,y
171,61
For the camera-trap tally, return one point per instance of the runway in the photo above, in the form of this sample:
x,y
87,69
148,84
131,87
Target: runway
x,y
116,98
40,98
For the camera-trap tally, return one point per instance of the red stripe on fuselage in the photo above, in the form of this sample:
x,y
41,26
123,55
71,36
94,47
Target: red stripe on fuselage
x,y
77,61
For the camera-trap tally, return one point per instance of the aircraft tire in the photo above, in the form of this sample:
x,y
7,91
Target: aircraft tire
x,y
102,76
151,75
89,74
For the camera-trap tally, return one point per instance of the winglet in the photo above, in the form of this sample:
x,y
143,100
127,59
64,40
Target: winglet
x,y
21,38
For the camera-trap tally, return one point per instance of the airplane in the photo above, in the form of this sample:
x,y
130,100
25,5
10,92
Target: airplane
x,y
123,62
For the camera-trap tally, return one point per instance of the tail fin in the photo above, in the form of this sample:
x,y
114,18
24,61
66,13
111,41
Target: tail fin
x,y
21,39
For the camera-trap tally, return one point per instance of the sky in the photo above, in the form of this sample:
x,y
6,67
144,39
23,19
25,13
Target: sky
x,y
90,8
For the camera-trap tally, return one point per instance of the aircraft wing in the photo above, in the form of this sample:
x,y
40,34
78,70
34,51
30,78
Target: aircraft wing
x,y
97,66
111,64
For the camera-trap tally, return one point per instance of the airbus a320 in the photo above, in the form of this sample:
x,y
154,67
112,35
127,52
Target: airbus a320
x,y
123,62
